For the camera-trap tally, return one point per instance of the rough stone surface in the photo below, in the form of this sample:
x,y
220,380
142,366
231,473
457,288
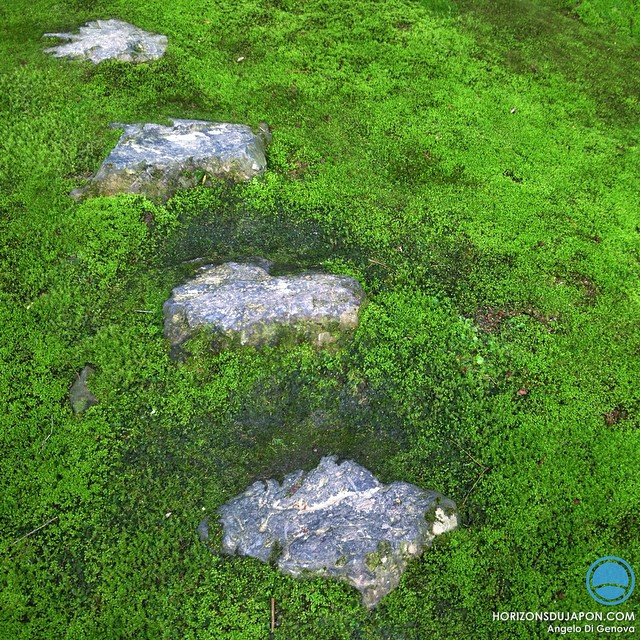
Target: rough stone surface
x,y
79,395
243,300
109,39
337,521
156,160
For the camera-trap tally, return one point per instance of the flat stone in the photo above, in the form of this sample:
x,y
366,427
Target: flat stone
x,y
337,521
156,160
109,40
245,301
79,395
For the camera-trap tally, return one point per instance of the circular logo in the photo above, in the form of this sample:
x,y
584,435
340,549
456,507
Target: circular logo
x,y
610,580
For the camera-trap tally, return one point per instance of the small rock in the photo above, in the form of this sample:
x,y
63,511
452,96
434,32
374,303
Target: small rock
x,y
156,161
243,300
79,395
203,530
337,521
109,40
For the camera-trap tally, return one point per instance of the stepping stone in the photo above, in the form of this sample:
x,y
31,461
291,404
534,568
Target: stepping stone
x,y
109,40
244,301
337,521
156,161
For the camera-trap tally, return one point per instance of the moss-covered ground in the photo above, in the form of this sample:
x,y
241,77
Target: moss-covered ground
x,y
475,164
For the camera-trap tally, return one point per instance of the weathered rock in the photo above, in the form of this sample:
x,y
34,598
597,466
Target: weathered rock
x,y
156,160
244,301
203,530
79,395
109,39
337,521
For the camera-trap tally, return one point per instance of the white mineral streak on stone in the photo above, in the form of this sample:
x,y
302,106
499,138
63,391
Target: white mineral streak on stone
x,y
359,500
244,300
264,525
363,536
109,39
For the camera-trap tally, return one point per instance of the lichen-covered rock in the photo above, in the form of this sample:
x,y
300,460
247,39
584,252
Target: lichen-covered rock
x,y
155,160
109,39
337,521
79,395
245,301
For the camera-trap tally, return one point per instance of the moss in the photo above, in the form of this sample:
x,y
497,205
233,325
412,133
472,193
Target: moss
x,y
378,557
341,561
372,560
276,553
473,164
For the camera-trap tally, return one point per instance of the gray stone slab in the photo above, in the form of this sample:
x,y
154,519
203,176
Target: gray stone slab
x,y
79,395
337,521
245,301
156,160
109,40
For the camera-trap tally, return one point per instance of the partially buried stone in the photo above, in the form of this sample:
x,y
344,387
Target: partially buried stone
x,y
203,530
79,395
337,521
109,40
245,301
157,160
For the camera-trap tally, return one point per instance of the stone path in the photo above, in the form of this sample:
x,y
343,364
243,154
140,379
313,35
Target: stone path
x,y
157,161
243,300
337,520
109,40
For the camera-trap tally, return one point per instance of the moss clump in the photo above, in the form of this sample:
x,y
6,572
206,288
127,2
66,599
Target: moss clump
x,y
276,553
380,556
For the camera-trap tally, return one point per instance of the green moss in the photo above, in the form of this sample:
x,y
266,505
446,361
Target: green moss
x,y
378,557
372,560
474,165
276,553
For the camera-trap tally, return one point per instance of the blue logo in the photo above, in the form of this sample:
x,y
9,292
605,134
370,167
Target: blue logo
x,y
610,580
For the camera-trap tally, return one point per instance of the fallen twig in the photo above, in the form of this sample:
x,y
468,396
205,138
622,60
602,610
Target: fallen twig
x,y
382,264
42,526
50,432
482,466
193,260
466,452
142,311
273,614
474,486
